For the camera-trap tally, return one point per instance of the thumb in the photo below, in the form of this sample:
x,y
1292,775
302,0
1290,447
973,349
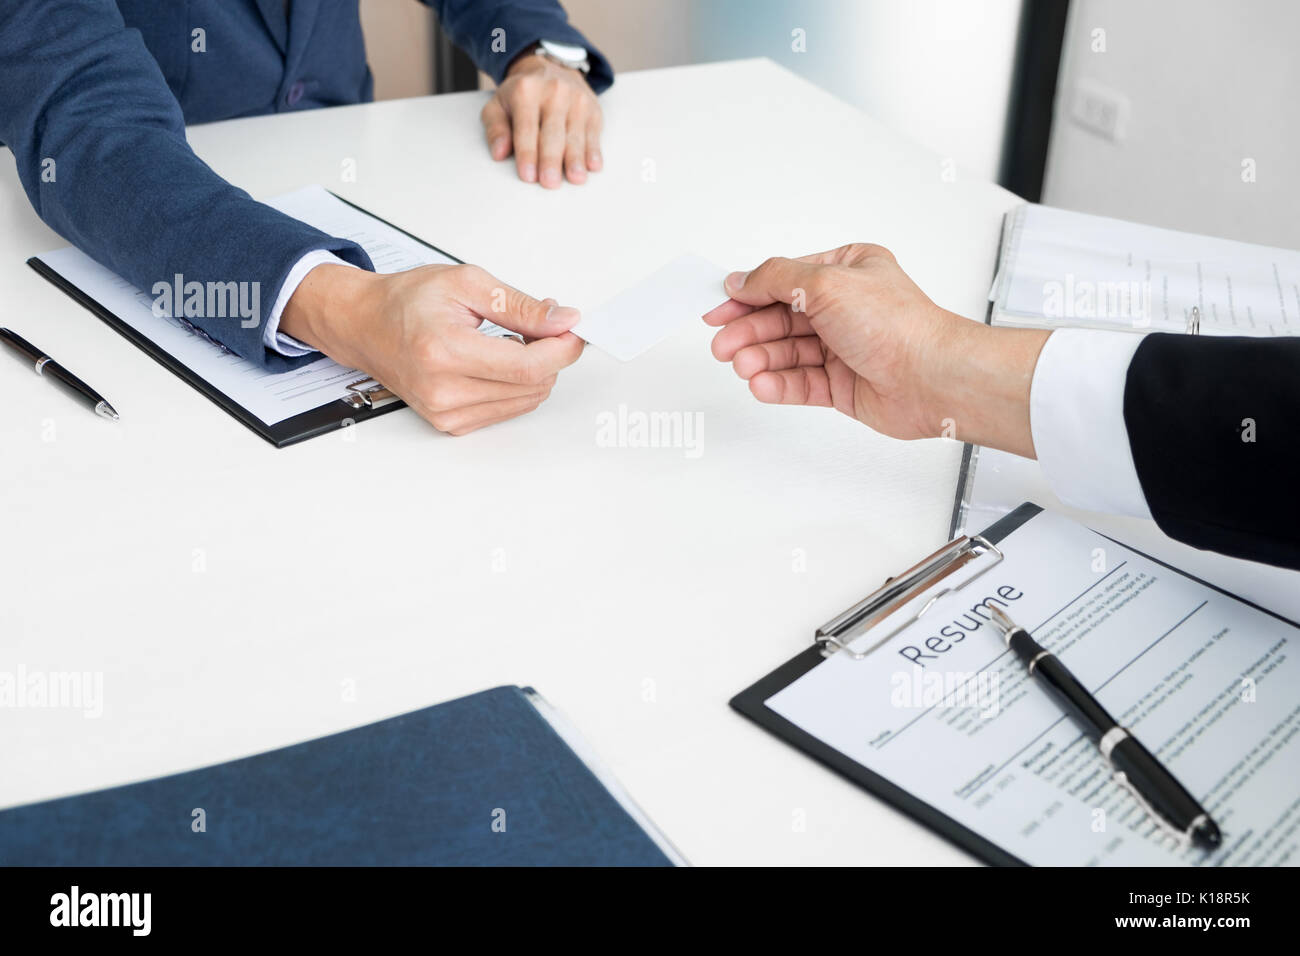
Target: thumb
x,y
516,311
776,280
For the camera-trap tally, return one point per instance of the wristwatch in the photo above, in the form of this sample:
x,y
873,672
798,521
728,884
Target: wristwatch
x,y
565,54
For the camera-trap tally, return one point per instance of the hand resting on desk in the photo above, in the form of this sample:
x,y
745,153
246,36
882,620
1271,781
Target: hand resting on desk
x,y
549,117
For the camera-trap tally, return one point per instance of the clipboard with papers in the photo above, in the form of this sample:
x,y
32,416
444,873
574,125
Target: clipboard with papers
x,y
368,400
282,407
910,694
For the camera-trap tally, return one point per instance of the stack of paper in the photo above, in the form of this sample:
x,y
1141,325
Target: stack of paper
x,y
1061,268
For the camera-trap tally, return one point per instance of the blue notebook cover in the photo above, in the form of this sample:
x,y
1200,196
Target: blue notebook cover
x,y
483,780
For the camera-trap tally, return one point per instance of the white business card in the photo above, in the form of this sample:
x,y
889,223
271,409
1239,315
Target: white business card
x,y
646,313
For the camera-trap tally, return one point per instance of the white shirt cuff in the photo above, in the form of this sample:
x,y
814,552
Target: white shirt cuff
x,y
1076,415
272,337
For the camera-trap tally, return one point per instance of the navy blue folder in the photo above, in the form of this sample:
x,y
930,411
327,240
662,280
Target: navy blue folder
x,y
483,780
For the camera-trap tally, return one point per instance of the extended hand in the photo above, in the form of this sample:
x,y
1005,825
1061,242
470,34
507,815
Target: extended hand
x,y
417,333
549,116
849,329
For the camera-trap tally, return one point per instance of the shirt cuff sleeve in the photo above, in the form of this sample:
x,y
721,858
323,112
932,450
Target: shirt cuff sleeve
x,y
1076,415
272,337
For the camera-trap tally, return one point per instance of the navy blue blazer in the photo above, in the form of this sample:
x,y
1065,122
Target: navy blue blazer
x,y
96,95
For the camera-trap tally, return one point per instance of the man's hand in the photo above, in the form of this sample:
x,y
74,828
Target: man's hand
x,y
549,117
417,333
849,329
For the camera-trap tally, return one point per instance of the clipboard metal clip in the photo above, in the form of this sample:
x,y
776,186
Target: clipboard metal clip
x,y
839,632
366,392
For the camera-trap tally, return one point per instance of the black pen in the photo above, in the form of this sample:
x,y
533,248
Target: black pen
x,y
46,366
1135,767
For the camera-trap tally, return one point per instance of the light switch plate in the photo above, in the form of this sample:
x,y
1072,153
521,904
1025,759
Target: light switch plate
x,y
1100,110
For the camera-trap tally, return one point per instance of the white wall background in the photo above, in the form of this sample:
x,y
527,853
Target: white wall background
x,y
938,71
1208,84
1204,85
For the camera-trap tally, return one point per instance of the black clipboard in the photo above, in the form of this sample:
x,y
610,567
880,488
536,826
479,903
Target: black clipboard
x,y
752,701
370,400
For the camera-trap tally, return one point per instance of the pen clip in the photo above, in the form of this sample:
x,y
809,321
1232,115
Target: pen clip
x,y
1183,840
1107,744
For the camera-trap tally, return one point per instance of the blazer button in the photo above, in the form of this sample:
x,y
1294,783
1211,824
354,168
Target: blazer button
x,y
294,94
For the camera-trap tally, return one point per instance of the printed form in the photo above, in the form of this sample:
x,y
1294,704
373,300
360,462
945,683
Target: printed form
x,y
271,396
1063,268
945,711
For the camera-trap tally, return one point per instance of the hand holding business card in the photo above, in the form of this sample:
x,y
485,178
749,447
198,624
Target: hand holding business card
x,y
646,313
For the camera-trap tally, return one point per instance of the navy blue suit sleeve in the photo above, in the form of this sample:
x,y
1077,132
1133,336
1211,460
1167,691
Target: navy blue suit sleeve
x,y
473,26
100,146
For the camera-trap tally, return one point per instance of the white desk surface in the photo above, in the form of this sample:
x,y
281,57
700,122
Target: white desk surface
x,y
227,590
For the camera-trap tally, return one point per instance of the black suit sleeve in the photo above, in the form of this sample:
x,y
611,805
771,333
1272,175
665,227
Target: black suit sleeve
x,y
1214,425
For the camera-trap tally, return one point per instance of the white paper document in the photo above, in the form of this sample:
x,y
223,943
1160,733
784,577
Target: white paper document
x,y
643,315
271,396
945,711
1064,268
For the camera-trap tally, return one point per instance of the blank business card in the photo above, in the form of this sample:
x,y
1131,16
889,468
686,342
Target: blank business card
x,y
645,314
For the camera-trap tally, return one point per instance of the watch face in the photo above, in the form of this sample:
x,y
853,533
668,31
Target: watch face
x,y
565,51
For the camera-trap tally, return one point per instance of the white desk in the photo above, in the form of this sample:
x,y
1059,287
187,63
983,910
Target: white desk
x,y
227,590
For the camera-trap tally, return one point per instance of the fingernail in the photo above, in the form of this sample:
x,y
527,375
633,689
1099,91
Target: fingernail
x,y
596,160
498,146
578,172
563,315
550,177
528,173
735,281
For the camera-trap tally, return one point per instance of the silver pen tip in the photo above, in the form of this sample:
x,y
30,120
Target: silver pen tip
x,y
107,411
1001,620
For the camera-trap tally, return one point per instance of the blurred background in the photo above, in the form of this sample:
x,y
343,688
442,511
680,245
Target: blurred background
x,y
1178,113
